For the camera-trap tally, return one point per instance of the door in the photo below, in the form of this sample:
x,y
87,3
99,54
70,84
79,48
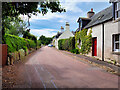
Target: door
x,y
94,46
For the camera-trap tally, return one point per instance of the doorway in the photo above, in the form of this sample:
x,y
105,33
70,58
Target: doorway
x,y
94,46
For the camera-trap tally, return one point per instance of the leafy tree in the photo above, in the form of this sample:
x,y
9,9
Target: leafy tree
x,y
14,9
45,40
27,35
15,27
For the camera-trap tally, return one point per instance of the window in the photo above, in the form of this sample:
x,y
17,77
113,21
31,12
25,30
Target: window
x,y
117,10
116,42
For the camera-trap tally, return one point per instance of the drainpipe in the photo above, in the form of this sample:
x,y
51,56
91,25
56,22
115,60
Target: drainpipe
x,y
102,41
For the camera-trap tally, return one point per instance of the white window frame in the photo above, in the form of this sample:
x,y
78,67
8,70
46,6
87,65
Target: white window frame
x,y
116,50
117,10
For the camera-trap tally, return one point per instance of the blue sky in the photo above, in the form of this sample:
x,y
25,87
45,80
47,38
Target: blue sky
x,y
50,24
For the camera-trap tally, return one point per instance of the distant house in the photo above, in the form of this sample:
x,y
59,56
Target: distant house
x,y
63,35
105,32
54,41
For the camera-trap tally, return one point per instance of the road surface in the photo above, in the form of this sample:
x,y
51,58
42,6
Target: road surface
x,y
50,68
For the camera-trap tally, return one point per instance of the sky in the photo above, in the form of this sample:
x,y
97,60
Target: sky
x,y
49,24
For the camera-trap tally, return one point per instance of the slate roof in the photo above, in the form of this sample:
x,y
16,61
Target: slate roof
x,y
100,17
83,18
58,34
111,1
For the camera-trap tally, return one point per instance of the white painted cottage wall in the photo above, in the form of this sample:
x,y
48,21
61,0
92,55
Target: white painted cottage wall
x,y
97,32
65,35
110,29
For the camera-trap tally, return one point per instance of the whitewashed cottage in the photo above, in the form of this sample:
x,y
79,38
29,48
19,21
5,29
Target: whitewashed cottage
x,y
63,35
105,32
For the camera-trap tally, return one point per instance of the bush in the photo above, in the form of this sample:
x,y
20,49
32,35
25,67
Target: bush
x,y
66,44
16,43
30,43
76,51
38,43
27,35
86,41
60,45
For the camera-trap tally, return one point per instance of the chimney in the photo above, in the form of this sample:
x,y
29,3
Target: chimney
x,y
62,29
90,13
67,26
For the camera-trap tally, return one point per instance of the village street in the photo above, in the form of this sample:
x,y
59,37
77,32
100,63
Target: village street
x,y
50,68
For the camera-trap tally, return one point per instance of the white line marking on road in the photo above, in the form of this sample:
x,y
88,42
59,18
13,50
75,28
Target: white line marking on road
x,y
40,78
42,69
54,84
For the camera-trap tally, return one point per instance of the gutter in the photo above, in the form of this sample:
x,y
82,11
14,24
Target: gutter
x,y
103,41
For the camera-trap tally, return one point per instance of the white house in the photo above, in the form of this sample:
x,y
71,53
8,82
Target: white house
x,y
105,32
63,35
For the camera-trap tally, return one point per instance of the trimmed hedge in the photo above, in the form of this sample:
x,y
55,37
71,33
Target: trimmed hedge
x,y
16,43
67,44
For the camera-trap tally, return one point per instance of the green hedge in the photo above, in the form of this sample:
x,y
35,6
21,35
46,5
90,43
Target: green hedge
x,y
76,51
66,44
16,43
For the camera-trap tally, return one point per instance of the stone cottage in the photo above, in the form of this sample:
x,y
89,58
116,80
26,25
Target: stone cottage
x,y
63,35
105,27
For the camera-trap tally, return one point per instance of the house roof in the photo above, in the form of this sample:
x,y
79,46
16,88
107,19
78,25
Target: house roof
x,y
100,17
84,18
111,1
58,34
73,32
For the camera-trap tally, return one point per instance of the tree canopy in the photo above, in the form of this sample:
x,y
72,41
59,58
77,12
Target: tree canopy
x,y
45,40
12,10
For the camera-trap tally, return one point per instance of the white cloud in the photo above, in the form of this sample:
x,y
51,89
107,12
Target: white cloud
x,y
70,5
62,21
48,16
39,16
45,32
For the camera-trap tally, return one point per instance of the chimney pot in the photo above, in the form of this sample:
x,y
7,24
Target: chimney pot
x,y
62,29
67,23
91,9
90,13
67,26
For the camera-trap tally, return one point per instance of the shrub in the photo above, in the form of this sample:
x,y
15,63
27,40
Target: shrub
x,y
25,48
76,51
86,41
16,43
27,35
38,43
66,44
60,44
30,43
71,43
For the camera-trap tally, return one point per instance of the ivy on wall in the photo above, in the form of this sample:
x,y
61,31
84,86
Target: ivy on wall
x,y
86,41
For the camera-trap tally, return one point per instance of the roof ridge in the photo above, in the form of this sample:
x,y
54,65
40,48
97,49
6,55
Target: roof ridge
x,y
100,17
102,10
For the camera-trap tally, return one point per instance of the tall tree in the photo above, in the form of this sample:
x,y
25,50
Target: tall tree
x,y
14,9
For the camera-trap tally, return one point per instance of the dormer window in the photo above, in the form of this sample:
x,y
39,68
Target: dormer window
x,y
117,10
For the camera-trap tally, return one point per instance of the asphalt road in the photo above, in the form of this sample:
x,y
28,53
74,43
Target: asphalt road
x,y
50,68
